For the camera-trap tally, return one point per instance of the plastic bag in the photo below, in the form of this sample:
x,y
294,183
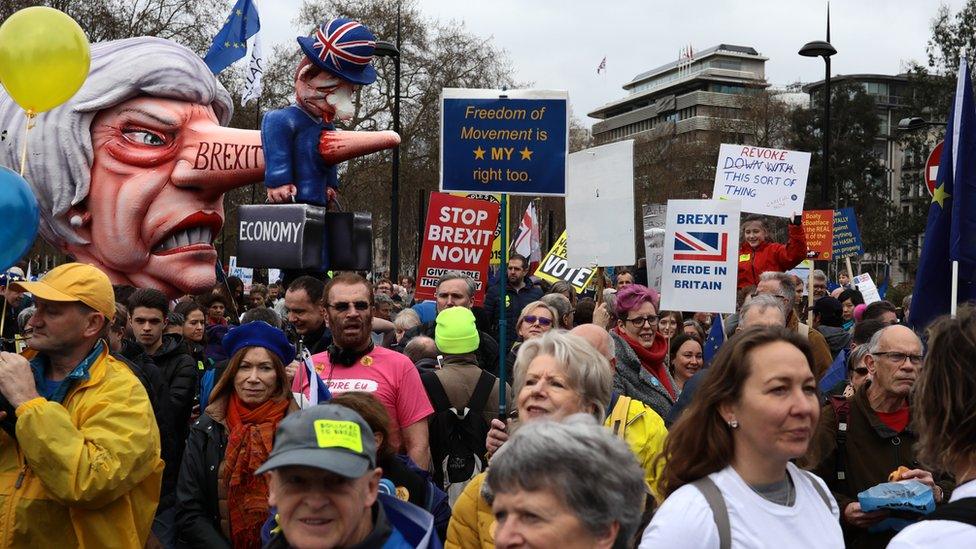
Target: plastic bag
x,y
905,495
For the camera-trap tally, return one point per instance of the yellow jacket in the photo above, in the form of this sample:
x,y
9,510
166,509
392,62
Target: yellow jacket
x,y
85,474
644,432
472,522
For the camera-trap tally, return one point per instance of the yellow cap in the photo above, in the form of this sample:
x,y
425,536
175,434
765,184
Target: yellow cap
x,y
75,282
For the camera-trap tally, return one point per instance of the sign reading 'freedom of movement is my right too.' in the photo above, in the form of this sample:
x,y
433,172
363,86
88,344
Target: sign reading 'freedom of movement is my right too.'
x,y
457,237
512,141
767,181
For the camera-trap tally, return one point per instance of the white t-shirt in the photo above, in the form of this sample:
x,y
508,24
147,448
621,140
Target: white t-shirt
x,y
685,519
941,533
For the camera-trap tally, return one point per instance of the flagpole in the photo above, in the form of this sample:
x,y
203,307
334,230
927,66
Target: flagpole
x,y
955,289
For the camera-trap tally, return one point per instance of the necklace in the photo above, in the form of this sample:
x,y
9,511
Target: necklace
x,y
774,492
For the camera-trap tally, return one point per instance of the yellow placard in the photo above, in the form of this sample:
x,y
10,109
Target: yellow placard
x,y
331,433
553,267
744,257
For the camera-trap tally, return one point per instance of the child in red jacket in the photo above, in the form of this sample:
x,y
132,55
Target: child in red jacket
x,y
757,255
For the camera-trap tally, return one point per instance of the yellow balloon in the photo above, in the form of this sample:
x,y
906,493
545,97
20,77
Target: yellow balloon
x,y
44,58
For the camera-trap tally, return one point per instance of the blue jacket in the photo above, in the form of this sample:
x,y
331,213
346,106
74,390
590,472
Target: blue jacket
x,y
412,527
290,138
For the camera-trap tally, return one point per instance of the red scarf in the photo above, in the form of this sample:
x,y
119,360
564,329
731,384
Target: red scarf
x,y
248,445
652,359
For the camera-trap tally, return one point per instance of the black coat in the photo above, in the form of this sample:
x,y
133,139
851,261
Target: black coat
x,y
179,370
170,447
517,300
198,505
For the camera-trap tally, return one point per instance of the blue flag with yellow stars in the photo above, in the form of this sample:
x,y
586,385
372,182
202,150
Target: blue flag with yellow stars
x,y
716,337
230,44
950,233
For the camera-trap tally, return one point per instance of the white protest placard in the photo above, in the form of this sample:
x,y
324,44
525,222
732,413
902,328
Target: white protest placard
x,y
246,274
701,244
655,218
274,275
867,287
767,181
600,206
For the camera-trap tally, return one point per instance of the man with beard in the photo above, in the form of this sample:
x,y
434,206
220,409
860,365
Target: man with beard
x,y
519,292
353,363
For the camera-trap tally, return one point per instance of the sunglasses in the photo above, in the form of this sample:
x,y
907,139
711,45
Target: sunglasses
x,y
541,320
344,305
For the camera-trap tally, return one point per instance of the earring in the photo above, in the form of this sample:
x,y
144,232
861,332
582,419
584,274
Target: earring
x,y
75,221
733,423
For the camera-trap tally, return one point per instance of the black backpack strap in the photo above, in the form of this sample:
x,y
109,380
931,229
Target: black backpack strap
x,y
435,390
962,510
720,513
842,409
479,398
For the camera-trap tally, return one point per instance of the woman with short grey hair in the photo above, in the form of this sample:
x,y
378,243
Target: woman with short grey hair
x,y
586,372
556,376
556,474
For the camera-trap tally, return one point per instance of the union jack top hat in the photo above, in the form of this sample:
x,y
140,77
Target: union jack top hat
x,y
344,48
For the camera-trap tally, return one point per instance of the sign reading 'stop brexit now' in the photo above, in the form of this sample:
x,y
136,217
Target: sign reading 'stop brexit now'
x,y
504,141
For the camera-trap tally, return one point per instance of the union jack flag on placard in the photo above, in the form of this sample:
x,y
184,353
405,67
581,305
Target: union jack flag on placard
x,y
334,47
701,246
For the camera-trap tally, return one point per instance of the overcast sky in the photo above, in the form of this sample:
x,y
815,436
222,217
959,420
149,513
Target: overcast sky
x,y
558,44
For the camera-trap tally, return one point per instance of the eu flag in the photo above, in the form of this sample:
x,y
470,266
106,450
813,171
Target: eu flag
x,y
716,337
230,44
951,226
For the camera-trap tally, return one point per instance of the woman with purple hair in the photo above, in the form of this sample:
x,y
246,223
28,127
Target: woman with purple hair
x,y
641,350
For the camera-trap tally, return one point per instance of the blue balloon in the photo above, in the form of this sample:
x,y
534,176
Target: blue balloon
x,y
20,215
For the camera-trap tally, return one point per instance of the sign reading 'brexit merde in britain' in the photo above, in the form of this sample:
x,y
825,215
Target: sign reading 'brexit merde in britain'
x,y
504,141
701,244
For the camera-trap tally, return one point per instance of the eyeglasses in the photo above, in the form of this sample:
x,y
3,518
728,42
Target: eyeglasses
x,y
541,320
642,320
898,357
344,305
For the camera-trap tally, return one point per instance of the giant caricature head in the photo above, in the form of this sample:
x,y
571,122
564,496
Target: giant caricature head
x,y
130,172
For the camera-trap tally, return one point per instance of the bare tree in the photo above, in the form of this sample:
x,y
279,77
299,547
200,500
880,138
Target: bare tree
x,y
192,23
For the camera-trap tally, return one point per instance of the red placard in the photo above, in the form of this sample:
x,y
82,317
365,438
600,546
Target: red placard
x,y
818,225
457,237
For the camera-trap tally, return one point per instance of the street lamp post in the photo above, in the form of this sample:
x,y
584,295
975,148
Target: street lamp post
x,y
915,123
821,48
387,49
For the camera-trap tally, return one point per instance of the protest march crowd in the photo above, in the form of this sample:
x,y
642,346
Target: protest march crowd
x,y
187,422
150,398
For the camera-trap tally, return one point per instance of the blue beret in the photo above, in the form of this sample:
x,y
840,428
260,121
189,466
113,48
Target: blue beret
x,y
259,334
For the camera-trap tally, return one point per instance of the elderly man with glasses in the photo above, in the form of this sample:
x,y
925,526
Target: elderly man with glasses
x,y
877,435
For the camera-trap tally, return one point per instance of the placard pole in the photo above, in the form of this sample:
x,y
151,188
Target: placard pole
x,y
502,307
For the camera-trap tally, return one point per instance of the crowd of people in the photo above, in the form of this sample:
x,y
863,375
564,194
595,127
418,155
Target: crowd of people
x,y
131,420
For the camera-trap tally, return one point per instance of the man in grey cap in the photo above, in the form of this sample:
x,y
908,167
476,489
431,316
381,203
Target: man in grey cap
x,y
326,487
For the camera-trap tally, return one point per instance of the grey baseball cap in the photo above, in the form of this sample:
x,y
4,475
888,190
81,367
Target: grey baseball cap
x,y
325,436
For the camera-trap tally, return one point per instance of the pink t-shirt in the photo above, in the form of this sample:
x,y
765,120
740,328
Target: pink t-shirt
x,y
389,376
